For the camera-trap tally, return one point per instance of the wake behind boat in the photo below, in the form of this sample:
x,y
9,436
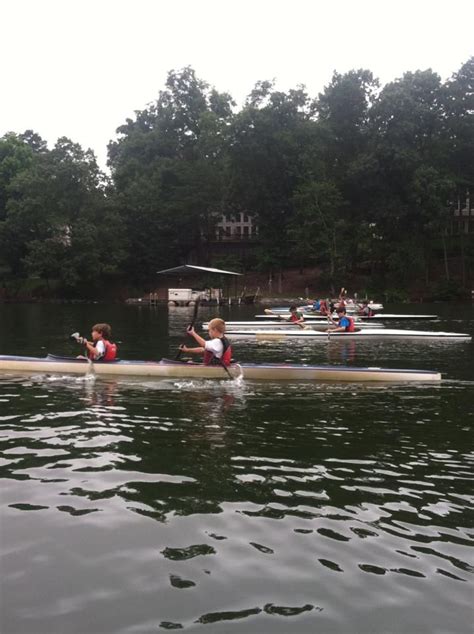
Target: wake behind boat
x,y
179,369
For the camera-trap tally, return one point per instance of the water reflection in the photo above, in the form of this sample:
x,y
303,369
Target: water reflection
x,y
341,352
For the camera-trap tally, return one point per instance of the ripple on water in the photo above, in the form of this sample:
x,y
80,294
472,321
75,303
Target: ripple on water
x,y
140,506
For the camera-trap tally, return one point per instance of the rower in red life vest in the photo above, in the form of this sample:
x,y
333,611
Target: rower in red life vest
x,y
344,324
342,295
324,307
100,348
217,350
296,317
365,310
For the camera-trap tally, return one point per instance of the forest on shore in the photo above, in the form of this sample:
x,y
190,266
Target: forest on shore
x,y
359,182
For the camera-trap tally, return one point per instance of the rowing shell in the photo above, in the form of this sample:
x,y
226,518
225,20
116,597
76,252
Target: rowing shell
x,y
379,317
350,308
254,325
178,369
358,334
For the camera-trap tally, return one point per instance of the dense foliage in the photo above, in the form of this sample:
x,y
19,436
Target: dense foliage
x,y
359,180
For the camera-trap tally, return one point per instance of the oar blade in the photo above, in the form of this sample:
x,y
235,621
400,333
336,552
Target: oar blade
x,y
269,336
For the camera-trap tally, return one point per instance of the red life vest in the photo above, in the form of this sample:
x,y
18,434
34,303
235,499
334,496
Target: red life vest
x,y
294,317
110,352
351,326
366,311
211,359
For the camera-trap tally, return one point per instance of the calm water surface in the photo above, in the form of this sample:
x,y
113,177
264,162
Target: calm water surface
x,y
133,506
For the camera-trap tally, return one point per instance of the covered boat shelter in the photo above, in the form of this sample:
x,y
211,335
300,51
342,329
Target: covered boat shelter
x,y
202,276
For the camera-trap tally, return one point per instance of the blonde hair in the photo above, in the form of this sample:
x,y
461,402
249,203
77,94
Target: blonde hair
x,y
217,324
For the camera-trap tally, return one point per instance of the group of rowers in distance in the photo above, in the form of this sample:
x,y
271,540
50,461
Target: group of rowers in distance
x,y
343,322
326,308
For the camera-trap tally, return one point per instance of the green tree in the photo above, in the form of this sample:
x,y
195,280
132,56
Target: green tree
x,y
405,153
457,98
343,108
458,138
16,158
55,201
343,115
319,226
167,168
270,141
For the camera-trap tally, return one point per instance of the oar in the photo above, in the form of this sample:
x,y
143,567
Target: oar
x,y
304,326
191,325
267,311
264,336
330,321
225,368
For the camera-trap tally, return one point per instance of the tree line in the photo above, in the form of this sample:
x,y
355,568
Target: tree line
x,y
358,180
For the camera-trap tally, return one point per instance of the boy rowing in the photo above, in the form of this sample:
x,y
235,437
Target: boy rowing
x,y
100,348
344,322
216,350
296,317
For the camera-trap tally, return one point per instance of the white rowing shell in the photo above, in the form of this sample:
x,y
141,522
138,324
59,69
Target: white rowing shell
x,y
358,334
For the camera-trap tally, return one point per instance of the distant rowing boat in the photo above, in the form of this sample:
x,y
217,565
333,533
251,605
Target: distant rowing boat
x,y
178,369
379,317
313,325
350,308
358,334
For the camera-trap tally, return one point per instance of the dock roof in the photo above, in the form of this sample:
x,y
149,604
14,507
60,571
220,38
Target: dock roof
x,y
192,269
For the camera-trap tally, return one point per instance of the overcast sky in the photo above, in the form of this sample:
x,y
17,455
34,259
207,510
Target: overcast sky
x,y
79,68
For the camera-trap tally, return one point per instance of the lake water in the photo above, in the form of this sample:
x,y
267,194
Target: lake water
x,y
137,506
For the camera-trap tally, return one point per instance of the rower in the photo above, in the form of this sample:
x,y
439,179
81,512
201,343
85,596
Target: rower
x,y
296,317
100,348
365,310
342,298
344,324
217,350
316,306
324,307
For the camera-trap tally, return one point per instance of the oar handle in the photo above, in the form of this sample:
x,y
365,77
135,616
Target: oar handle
x,y
196,308
191,325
